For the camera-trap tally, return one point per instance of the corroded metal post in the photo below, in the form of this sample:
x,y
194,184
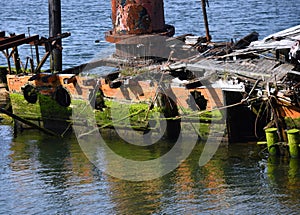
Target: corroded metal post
x,y
137,17
55,29
208,37
138,23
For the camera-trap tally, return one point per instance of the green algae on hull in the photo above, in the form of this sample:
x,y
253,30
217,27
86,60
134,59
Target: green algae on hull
x,y
5,120
116,114
45,107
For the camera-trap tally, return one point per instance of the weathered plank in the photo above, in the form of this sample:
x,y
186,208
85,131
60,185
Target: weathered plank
x,y
18,42
27,122
11,39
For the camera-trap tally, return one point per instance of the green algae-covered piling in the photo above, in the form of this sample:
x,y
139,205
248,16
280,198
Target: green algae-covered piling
x,y
293,142
272,139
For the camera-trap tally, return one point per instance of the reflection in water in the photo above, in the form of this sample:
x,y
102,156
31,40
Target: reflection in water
x,y
53,165
293,174
42,174
136,197
284,175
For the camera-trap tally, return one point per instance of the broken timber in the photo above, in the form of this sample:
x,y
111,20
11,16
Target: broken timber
x,y
27,122
13,41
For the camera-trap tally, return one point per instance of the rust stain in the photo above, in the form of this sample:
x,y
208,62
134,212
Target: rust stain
x,y
135,25
132,19
137,17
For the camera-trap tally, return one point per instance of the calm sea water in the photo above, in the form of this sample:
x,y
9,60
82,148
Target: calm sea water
x,y
45,175
87,21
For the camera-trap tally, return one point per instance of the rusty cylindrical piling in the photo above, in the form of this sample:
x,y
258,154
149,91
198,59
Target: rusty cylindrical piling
x,y
137,17
138,27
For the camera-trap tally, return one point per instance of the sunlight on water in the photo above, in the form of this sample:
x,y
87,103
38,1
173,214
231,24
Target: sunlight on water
x,y
44,175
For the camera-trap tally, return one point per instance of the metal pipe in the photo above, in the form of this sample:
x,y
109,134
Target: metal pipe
x,y
139,28
208,37
137,17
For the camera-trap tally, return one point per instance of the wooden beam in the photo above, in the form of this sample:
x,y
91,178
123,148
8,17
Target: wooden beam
x,y
8,61
12,39
2,33
27,122
18,42
37,54
38,68
43,41
54,30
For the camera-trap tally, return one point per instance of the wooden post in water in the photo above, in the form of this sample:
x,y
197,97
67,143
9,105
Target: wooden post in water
x,y
293,141
54,29
208,37
272,139
16,59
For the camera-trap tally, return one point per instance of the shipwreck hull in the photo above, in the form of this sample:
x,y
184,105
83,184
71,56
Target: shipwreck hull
x,y
49,99
36,101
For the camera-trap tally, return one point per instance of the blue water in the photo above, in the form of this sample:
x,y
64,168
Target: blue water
x,y
45,175
88,20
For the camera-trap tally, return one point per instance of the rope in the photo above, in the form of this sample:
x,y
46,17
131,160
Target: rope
x,y
256,119
155,97
111,123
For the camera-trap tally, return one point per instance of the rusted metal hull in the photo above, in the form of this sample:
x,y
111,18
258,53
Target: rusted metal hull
x,y
137,17
137,26
56,94
80,88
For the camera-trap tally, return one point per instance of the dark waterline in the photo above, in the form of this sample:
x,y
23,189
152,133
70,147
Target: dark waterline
x,y
44,175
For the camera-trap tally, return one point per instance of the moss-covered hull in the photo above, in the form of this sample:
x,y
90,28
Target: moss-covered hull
x,y
45,103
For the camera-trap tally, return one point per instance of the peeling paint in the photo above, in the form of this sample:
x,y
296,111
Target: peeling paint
x,y
132,19
138,16
143,18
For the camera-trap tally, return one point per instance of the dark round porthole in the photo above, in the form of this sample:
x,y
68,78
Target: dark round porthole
x,y
30,94
62,97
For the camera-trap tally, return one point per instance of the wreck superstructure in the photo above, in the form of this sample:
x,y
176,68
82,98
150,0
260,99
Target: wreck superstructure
x,y
138,28
241,77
